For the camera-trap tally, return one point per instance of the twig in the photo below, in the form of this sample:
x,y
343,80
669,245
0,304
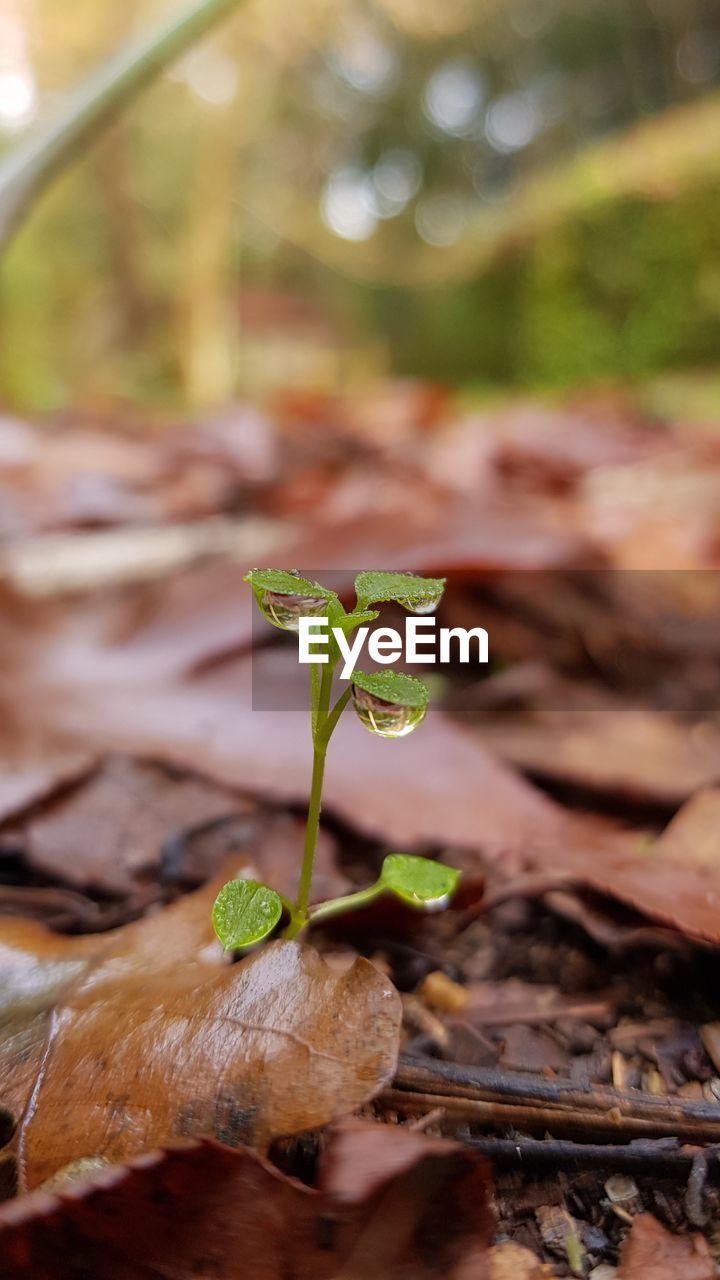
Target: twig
x,y
529,1102
491,1083
565,1121
642,1156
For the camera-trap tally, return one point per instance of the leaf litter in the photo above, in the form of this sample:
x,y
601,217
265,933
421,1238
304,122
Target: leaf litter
x,y
134,766
274,1045
387,1204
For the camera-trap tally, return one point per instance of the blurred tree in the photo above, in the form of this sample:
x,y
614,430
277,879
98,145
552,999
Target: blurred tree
x,y
508,190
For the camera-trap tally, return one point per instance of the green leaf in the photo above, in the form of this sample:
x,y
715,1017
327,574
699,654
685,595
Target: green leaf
x,y
282,582
417,594
393,686
245,911
349,621
419,881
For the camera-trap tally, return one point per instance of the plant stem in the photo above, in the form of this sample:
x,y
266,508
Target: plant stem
x,y
337,711
311,831
321,737
350,902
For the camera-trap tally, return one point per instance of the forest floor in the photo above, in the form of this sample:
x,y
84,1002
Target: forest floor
x,y
526,1085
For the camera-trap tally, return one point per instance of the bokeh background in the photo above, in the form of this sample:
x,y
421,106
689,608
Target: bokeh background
x,y
495,194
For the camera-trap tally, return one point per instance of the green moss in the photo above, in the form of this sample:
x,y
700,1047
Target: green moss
x,y
627,289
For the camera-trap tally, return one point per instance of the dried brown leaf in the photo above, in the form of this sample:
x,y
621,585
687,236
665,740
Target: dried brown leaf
x,y
513,1262
123,1041
203,1209
652,1253
640,755
113,826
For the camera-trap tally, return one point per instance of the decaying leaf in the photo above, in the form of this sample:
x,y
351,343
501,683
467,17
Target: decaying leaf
x,y
134,829
205,1210
209,724
652,1253
640,755
692,836
27,779
114,825
276,1044
513,1262
657,880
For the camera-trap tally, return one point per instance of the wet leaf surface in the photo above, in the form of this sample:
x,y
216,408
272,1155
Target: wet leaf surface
x,y
273,1045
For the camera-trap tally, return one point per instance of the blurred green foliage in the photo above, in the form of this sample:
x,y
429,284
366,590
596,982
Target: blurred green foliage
x,y
520,254
623,292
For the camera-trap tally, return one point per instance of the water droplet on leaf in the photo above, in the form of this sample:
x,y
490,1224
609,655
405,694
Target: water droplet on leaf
x,y
386,719
244,912
286,611
420,882
423,604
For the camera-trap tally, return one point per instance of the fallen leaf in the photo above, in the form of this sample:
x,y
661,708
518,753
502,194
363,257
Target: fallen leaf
x,y
474,802
203,1209
209,724
62,909
610,923
640,755
652,1253
99,686
620,866
672,891
513,1262
273,1045
525,1049
26,780
135,829
692,836
113,826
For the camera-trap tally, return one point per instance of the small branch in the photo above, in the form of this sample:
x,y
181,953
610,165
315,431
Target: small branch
x,y
32,165
491,1097
488,1083
641,1156
564,1121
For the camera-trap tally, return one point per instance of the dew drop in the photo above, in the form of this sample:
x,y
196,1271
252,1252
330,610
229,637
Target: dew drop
x,y
386,719
286,611
423,604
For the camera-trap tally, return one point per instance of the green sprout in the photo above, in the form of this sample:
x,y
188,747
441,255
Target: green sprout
x,y
389,704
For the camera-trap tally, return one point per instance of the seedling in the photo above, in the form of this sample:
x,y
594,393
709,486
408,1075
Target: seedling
x,y
389,704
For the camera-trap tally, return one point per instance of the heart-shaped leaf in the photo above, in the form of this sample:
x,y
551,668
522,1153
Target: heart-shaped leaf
x,y
245,912
419,881
284,597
